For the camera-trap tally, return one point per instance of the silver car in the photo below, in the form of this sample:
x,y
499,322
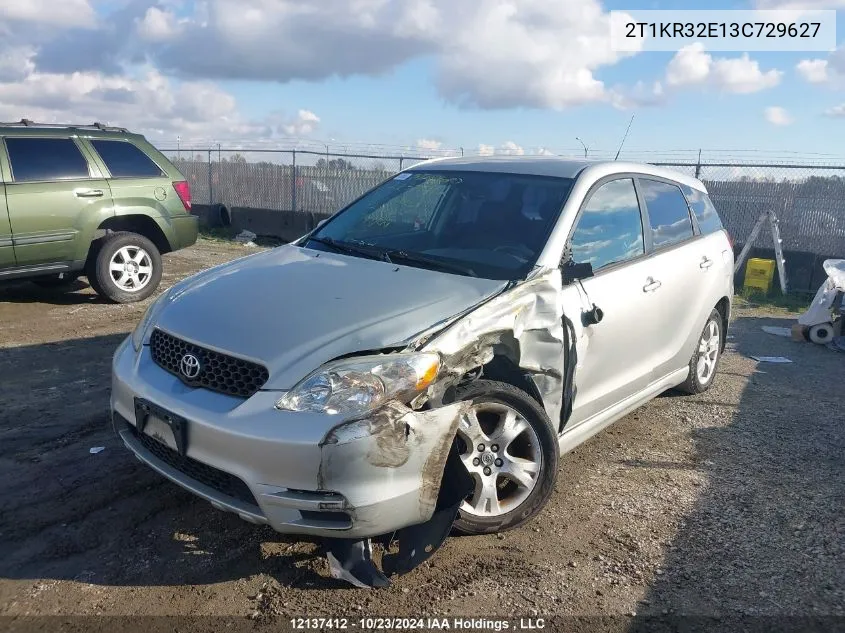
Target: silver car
x,y
495,311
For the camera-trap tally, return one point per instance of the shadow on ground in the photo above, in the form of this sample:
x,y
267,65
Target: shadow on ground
x,y
766,537
105,518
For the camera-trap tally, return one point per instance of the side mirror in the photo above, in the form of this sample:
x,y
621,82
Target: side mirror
x,y
321,223
573,272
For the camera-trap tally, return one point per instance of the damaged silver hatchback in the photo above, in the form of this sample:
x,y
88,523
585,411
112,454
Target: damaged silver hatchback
x,y
424,357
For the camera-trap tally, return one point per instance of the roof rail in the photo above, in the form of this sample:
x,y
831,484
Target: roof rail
x,y
91,126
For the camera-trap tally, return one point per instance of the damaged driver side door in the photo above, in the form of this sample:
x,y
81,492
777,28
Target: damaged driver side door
x,y
609,310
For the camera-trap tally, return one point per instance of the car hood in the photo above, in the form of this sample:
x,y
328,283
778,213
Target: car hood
x,y
293,309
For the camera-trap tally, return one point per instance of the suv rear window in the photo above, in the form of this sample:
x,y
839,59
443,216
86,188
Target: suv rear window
x,y
124,160
667,211
706,214
37,159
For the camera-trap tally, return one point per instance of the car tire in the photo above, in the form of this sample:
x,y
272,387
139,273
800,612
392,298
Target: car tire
x,y
821,334
705,359
534,447
61,280
143,267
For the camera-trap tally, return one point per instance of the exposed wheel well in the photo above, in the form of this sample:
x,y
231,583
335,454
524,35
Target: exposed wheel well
x,y
724,308
140,224
503,369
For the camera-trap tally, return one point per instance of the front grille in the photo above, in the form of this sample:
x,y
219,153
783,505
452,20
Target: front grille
x,y
218,372
222,482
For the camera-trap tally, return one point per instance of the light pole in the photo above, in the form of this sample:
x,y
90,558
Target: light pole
x,y
584,144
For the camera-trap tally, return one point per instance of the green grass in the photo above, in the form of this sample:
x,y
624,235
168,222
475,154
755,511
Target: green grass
x,y
774,300
226,234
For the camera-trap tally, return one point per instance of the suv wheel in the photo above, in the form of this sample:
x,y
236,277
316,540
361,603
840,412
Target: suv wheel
x,y
125,267
705,358
510,449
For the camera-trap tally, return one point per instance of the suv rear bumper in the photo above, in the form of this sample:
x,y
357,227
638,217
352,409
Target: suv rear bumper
x,y
184,231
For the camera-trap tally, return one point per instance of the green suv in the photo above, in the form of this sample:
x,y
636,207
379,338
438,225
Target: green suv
x,y
89,200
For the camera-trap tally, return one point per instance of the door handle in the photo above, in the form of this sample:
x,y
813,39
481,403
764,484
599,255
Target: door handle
x,y
652,285
705,263
88,193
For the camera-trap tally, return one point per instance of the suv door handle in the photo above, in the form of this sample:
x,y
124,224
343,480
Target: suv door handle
x,y
652,285
706,263
88,193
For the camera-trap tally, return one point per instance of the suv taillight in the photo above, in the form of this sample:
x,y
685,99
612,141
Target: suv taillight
x,y
183,190
730,239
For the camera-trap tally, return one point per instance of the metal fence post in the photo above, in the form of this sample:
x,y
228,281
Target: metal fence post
x,y
698,165
293,185
401,160
210,183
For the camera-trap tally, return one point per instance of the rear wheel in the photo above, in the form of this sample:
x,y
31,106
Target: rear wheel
x,y
510,449
705,358
126,267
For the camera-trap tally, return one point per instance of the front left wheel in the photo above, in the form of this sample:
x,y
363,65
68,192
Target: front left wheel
x,y
126,267
510,449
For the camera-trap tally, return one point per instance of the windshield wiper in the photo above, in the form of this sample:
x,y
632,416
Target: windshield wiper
x,y
439,264
346,247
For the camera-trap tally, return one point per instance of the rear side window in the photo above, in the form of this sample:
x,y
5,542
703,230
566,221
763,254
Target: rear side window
x,y
705,213
667,211
37,159
124,160
610,228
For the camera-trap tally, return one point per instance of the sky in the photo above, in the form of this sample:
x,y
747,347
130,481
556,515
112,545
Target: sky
x,y
416,77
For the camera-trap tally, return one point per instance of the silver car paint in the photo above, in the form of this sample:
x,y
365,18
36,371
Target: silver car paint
x,y
384,471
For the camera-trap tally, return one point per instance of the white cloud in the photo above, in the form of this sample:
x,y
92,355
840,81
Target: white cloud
x,y
486,150
836,111
159,26
487,53
777,115
509,148
304,123
814,71
65,13
692,66
429,145
16,63
542,151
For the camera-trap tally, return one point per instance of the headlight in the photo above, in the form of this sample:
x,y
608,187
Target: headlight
x,y
356,386
141,329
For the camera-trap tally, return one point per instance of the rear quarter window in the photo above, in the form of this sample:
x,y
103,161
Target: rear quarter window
x,y
667,211
705,213
125,160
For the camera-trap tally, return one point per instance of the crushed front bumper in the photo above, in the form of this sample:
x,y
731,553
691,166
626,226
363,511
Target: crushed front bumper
x,y
298,473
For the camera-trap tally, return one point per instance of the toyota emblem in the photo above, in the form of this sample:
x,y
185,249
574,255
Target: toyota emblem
x,y
190,366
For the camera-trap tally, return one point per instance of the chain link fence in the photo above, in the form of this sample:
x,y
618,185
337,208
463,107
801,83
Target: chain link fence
x,y
809,200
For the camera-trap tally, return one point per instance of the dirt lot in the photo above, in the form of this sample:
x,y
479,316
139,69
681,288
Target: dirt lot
x,y
724,504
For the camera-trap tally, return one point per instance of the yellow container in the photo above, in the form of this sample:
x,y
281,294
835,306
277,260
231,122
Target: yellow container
x,y
759,273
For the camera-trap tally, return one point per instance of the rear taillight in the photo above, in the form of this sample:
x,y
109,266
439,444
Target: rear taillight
x,y
730,239
183,190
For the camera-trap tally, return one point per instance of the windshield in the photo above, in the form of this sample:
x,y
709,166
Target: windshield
x,y
483,224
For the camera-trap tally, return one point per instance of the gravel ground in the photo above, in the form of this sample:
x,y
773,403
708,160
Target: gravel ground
x,y
726,504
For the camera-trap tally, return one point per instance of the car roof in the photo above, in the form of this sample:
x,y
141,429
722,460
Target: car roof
x,y
553,166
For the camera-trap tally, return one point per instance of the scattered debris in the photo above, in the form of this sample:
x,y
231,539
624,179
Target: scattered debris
x,y
778,331
771,359
246,237
96,449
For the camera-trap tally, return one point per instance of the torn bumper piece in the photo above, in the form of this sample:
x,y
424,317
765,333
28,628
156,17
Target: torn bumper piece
x,y
351,560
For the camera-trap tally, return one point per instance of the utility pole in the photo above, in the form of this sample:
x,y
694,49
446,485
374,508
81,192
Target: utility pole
x,y
178,148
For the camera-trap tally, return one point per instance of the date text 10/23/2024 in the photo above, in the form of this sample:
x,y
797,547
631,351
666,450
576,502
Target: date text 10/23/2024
x,y
366,623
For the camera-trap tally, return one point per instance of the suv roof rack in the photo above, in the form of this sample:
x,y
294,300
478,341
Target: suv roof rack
x,y
92,126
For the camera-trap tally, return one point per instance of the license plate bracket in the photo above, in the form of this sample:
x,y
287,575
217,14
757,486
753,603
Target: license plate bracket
x,y
179,425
